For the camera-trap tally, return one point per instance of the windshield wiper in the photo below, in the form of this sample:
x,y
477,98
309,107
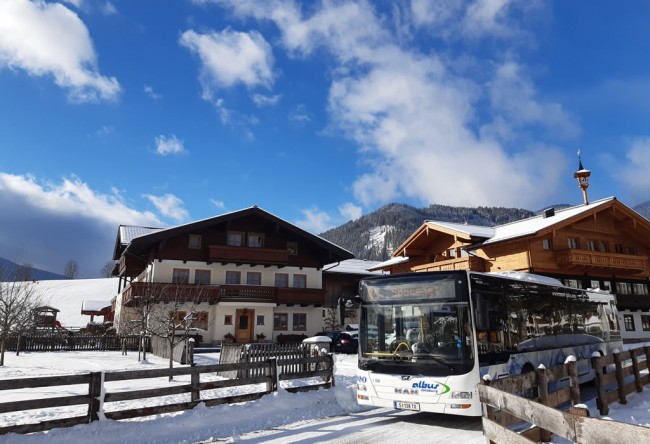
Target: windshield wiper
x,y
438,360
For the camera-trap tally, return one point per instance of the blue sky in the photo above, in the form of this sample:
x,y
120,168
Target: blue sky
x,y
160,113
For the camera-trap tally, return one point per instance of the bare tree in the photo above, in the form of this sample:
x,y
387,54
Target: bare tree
x,y
18,299
25,272
165,310
71,269
107,269
331,321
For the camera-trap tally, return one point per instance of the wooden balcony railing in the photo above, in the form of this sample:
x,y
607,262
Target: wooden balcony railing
x,y
270,256
165,292
472,263
584,258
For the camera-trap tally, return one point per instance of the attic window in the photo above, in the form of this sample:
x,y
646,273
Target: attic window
x,y
292,247
194,241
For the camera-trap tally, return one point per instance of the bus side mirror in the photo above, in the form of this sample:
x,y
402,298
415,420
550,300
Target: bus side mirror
x,y
481,313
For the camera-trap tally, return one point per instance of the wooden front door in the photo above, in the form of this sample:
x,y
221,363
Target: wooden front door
x,y
244,326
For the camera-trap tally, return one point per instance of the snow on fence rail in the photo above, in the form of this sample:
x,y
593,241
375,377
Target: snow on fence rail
x,y
104,401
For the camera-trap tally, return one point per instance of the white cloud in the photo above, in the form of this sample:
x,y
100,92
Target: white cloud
x,y
229,58
169,145
109,8
413,113
169,205
513,96
315,221
48,39
264,100
633,172
218,204
350,211
43,219
300,114
149,91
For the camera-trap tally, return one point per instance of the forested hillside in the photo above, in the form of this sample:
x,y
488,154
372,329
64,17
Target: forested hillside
x,y
374,236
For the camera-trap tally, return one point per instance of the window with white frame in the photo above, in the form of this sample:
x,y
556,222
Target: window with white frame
x,y
628,322
623,288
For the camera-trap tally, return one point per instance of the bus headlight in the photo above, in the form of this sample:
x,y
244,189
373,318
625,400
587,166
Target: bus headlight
x,y
361,387
461,395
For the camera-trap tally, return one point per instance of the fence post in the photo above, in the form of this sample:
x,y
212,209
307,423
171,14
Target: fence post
x,y
620,380
601,401
488,411
272,385
331,366
638,384
574,382
542,390
94,392
195,379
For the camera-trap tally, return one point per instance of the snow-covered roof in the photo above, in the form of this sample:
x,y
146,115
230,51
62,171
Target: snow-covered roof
x,y
470,230
95,305
352,266
130,232
535,224
389,262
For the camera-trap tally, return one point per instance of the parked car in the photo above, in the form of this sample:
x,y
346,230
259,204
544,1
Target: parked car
x,y
342,341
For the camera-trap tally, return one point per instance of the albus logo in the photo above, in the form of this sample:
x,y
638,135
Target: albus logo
x,y
437,388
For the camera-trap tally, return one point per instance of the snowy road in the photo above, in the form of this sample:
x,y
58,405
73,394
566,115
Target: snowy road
x,y
374,426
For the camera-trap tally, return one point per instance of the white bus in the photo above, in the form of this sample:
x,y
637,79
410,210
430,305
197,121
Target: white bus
x,y
426,339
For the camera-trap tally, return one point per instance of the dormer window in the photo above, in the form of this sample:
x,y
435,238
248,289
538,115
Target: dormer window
x,y
235,239
255,240
194,241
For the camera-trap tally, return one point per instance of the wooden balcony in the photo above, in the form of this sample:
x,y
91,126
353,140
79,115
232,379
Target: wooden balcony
x,y
131,266
264,256
472,263
598,259
213,294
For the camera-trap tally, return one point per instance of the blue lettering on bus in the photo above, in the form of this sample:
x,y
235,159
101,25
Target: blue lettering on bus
x,y
434,387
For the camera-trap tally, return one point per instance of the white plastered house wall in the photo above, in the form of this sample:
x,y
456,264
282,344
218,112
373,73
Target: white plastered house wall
x,y
162,272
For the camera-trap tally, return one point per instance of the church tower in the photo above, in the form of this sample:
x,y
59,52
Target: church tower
x,y
583,178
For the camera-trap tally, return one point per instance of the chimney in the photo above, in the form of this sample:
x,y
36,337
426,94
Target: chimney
x,y
549,212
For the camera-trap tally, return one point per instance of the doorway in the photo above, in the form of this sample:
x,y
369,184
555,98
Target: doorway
x,y
244,326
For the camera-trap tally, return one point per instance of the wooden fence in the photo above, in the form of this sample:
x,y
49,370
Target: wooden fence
x,y
615,386
526,403
63,342
99,397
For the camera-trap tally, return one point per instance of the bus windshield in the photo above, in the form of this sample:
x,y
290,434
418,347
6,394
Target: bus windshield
x,y
416,327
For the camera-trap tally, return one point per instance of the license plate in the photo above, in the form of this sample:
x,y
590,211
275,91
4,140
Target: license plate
x,y
406,405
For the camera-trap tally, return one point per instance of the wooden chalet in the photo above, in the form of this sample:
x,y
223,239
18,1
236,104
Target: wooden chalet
x,y
245,273
602,244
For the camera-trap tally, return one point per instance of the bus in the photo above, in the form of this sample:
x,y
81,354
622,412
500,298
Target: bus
x,y
426,339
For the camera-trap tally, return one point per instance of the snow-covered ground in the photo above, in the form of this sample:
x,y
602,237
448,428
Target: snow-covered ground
x,y
219,422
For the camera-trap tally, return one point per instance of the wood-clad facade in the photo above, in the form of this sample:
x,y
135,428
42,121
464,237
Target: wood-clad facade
x,y
247,273
603,244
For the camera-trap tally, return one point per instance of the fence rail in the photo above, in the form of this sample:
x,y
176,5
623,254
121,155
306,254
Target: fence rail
x,y
527,399
64,342
98,394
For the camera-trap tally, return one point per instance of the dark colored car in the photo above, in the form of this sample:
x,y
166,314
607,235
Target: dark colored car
x,y
342,342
